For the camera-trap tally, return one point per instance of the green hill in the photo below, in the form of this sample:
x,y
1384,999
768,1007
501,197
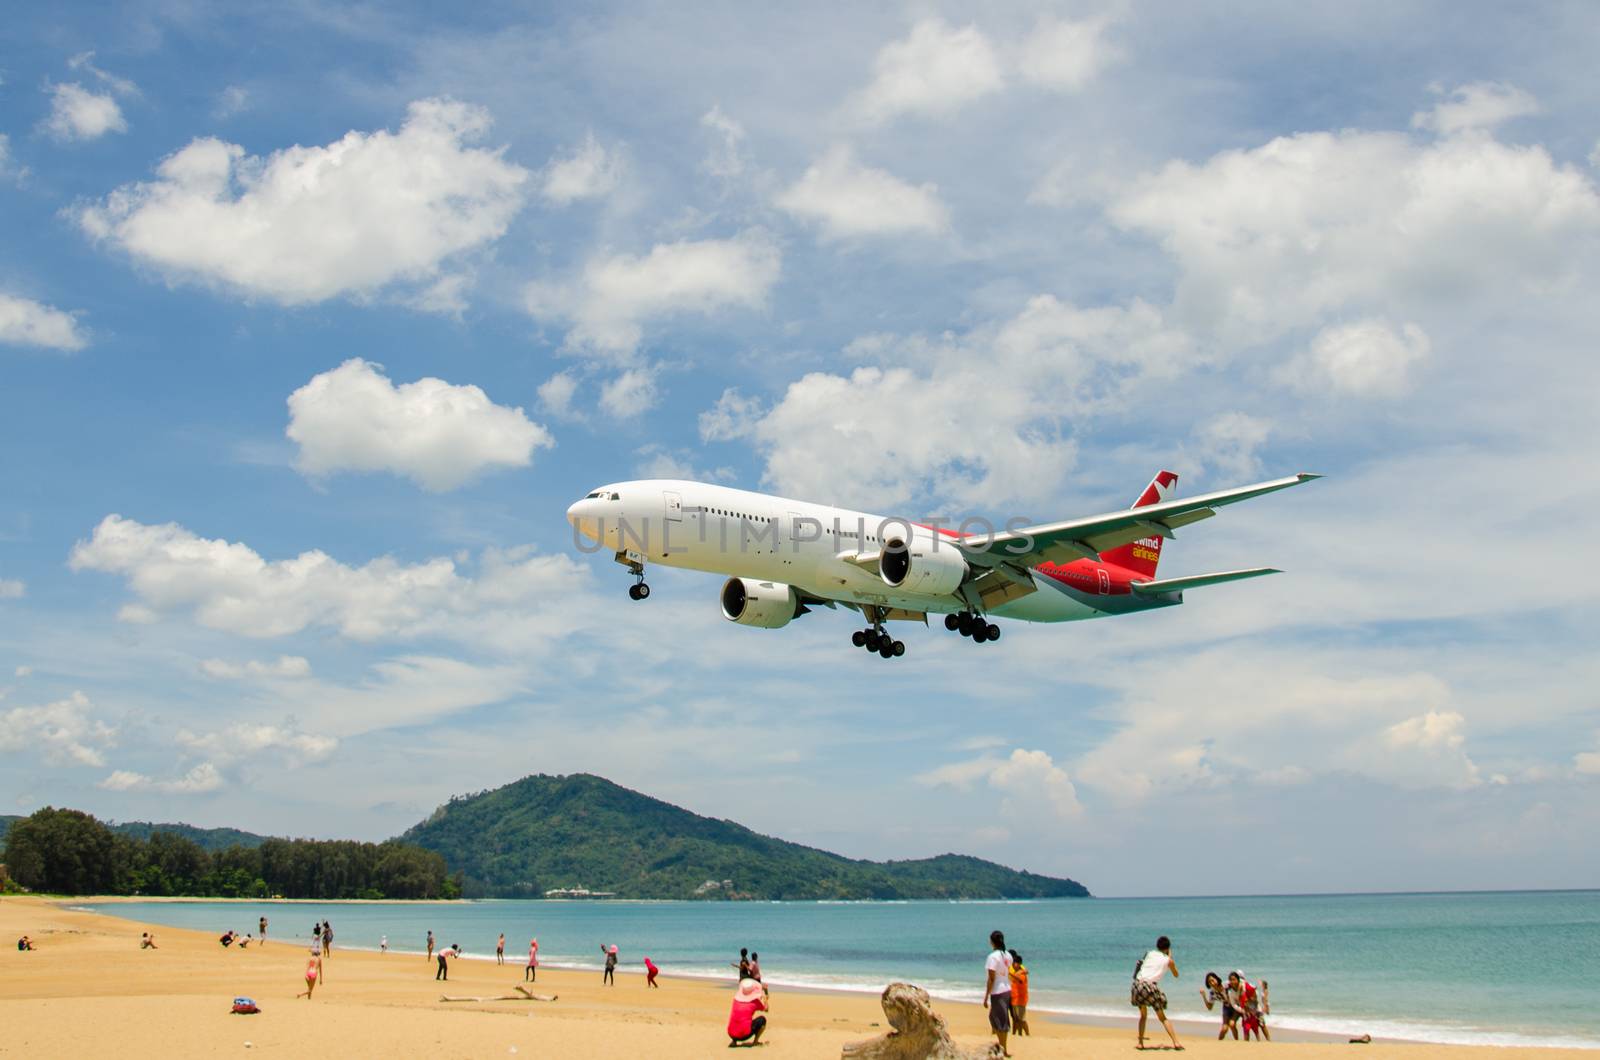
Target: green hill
x,y
209,839
547,832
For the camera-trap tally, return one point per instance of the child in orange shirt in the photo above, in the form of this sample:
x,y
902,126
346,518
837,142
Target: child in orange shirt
x,y
1019,995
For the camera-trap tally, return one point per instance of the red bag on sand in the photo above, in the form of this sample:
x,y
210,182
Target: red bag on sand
x,y
243,1006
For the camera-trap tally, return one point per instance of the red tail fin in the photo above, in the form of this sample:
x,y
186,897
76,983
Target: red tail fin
x,y
1141,556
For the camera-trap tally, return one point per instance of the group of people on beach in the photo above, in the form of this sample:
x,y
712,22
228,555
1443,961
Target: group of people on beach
x,y
751,999
1242,1003
1005,991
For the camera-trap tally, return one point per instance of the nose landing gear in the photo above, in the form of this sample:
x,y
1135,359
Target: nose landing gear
x,y
970,625
638,590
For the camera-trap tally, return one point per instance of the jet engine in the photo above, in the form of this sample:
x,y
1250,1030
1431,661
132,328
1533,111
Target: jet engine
x,y
921,567
768,605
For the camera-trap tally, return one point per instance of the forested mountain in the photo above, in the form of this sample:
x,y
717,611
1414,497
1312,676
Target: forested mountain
x,y
70,852
547,832
211,839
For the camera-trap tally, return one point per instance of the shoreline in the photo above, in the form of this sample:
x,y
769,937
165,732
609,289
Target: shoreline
x,y
945,998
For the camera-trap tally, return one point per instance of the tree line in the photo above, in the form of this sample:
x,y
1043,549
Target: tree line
x,y
70,852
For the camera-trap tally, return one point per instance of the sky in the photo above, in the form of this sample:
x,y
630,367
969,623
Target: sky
x,y
314,320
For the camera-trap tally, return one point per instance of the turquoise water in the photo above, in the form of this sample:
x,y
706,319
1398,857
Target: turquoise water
x,y
1514,968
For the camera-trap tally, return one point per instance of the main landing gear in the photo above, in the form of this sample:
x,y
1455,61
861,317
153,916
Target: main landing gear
x,y
971,625
875,639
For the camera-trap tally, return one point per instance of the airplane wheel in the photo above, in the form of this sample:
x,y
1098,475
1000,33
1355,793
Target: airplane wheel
x,y
993,631
634,593
886,649
859,638
951,622
964,624
899,648
872,639
980,634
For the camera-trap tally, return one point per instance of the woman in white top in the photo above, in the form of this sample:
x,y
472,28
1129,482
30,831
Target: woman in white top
x,y
1147,995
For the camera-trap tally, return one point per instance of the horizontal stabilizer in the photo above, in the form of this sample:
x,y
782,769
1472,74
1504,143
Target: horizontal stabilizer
x,y
1178,585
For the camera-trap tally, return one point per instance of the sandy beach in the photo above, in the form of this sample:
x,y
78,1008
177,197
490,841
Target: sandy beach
x,y
88,990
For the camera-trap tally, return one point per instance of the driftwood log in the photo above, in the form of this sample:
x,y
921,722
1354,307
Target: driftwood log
x,y
919,1032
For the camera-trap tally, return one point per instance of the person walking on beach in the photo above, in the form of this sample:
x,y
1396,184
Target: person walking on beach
x,y
452,950
327,939
500,949
744,963
383,944
430,947
1214,995
263,926
313,974
997,989
744,1026
610,977
1147,995
650,973
755,967
530,974
1019,996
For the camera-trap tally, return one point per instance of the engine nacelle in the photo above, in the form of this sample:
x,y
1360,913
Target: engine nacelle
x,y
922,566
768,605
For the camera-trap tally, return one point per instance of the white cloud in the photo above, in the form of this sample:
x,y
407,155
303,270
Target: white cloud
x,y
137,615
1480,105
1280,236
725,160
902,428
1367,358
228,586
1587,762
245,740
12,589
439,435
306,224
79,114
556,393
201,779
850,199
84,61
935,70
24,671
589,172
657,461
1066,55
230,101
616,295
8,169
629,394
27,323
60,733
1228,443
1024,775
1426,749
282,666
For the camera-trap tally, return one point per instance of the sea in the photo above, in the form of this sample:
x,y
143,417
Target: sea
x,y
1498,968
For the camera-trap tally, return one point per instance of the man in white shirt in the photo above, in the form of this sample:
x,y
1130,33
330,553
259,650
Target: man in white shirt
x,y
1147,994
997,989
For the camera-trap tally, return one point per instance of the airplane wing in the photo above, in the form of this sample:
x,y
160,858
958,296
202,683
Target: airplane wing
x,y
1087,538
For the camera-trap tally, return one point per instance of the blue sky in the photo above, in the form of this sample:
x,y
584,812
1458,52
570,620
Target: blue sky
x,y
311,326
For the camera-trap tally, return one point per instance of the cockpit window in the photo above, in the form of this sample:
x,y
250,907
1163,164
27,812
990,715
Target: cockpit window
x,y
592,496
616,497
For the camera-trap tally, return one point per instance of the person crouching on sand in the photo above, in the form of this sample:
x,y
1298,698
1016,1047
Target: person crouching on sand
x,y
1019,995
147,941
452,950
313,973
1147,995
1214,995
650,973
744,1026
530,974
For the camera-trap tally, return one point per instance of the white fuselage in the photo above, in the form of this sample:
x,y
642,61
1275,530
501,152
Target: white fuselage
x,y
706,527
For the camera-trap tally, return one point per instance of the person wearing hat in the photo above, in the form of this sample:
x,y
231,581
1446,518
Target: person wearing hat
x,y
610,952
744,1026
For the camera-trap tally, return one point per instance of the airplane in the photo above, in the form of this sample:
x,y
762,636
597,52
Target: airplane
x,y
784,557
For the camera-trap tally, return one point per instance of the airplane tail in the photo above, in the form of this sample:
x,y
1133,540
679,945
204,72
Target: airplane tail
x,y
1141,556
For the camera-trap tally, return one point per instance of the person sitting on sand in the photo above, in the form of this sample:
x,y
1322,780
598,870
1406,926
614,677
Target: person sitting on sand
x,y
1214,995
1019,995
147,941
650,973
313,973
610,976
1147,995
452,950
530,974
744,1026
997,989
24,943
